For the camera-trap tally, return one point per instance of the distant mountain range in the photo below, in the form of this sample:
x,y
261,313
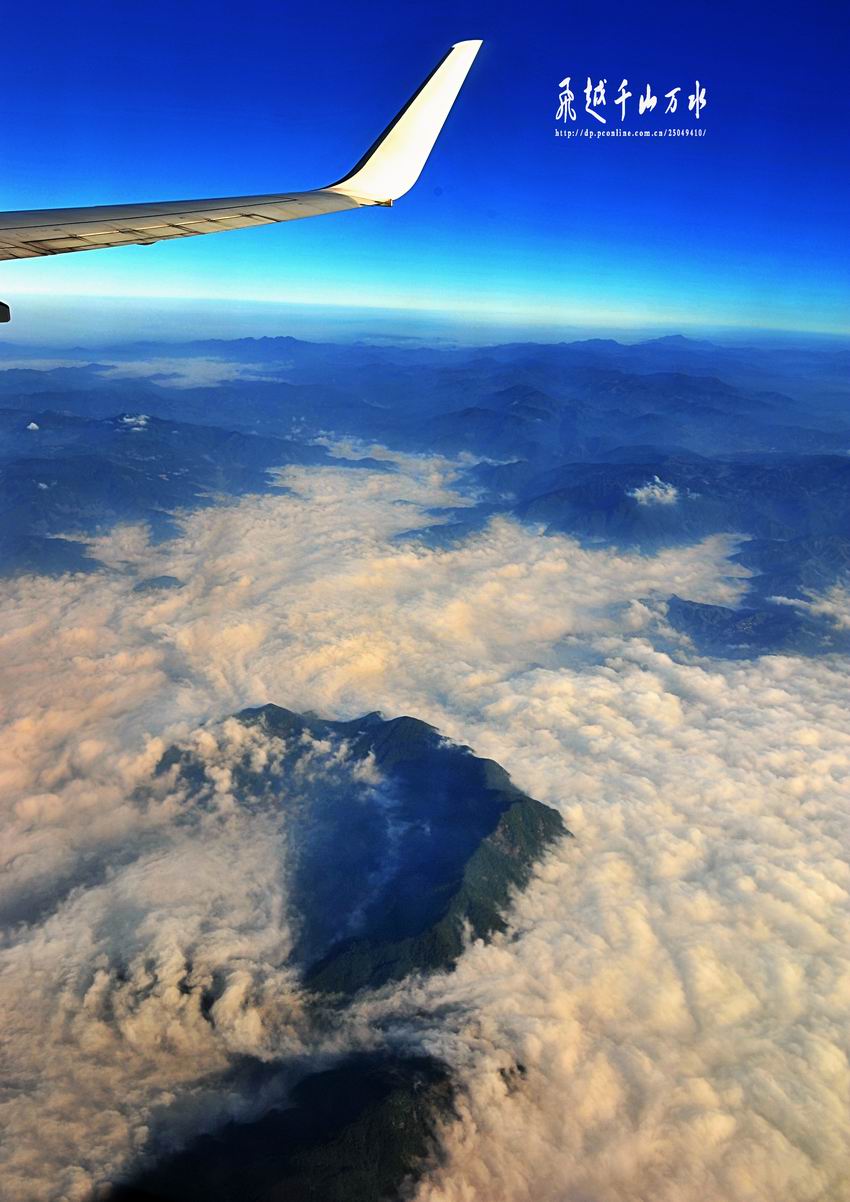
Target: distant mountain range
x,y
571,400
637,446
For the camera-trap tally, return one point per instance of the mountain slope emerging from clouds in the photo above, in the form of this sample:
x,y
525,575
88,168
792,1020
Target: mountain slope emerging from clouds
x,y
354,1133
404,842
400,846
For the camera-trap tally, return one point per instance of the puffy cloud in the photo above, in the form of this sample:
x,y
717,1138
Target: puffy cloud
x,y
192,371
833,604
162,967
103,1003
655,492
178,371
674,985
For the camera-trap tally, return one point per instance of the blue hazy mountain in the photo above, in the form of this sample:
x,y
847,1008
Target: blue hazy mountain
x,y
569,400
63,474
658,499
755,630
793,511
645,445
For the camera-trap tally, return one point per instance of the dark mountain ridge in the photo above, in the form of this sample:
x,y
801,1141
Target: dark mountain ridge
x,y
425,849
432,852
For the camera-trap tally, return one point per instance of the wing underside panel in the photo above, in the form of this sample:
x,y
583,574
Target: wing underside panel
x,y
60,231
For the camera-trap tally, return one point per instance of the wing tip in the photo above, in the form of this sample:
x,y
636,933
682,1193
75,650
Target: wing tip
x,y
393,163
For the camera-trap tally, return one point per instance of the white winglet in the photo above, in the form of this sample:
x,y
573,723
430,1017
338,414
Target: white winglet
x,y
393,164
389,169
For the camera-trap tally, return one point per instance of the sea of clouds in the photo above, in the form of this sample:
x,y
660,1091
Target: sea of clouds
x,y
666,1017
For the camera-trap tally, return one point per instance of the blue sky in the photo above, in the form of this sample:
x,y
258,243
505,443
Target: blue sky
x,y
745,226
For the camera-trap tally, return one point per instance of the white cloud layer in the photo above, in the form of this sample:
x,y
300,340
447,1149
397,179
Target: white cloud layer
x,y
675,983
833,604
183,371
193,371
655,492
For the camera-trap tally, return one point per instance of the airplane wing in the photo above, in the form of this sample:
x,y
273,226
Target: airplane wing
x,y
387,171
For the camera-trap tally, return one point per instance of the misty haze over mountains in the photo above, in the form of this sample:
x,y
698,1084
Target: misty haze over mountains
x,y
565,915
648,445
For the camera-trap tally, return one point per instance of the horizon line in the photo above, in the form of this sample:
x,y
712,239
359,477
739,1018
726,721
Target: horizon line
x,y
469,314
